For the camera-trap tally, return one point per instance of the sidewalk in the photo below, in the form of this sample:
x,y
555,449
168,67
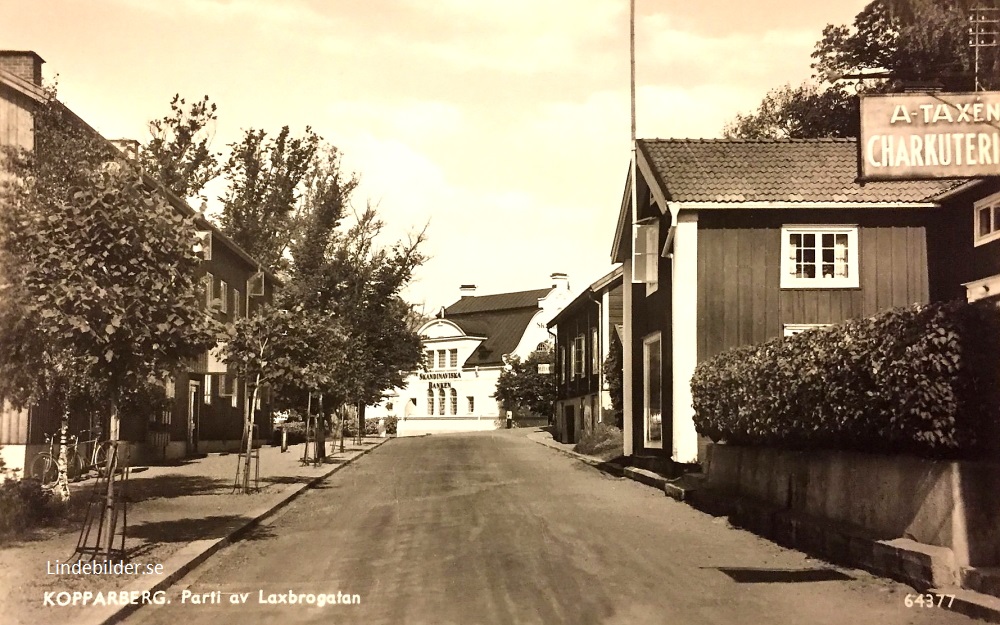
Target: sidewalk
x,y
543,437
177,516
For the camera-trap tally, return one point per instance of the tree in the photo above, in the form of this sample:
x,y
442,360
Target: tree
x,y
614,374
178,153
98,273
279,349
521,387
266,180
891,43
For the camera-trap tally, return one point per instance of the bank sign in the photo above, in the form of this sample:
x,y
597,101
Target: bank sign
x,y
916,136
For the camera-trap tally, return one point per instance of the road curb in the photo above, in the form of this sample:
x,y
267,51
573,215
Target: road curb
x,y
610,468
196,552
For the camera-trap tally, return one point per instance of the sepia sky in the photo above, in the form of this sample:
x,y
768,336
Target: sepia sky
x,y
502,123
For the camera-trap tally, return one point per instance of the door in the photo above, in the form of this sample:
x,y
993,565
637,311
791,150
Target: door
x,y
570,419
194,416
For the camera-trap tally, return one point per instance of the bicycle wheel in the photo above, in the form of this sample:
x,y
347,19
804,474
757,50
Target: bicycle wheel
x,y
74,466
44,469
101,458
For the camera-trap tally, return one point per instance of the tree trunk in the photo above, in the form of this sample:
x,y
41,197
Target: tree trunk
x,y
110,518
321,431
62,459
361,422
343,420
248,431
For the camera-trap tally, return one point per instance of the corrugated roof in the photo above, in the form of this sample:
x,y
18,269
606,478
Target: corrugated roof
x,y
500,301
503,330
790,170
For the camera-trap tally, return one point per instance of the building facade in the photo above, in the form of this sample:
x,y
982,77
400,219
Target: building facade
x,y
735,242
584,331
465,349
208,402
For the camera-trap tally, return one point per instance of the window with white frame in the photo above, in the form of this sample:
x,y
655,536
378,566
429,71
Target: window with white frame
x,y
595,353
652,390
579,356
442,354
207,388
453,358
454,401
430,401
223,296
987,219
791,329
441,400
819,257
472,404
563,365
646,255
237,304
429,358
209,289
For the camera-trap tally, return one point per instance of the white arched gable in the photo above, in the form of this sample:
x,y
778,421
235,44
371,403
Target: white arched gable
x,y
441,329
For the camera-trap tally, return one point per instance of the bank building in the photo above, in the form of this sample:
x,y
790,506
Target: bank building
x,y
464,351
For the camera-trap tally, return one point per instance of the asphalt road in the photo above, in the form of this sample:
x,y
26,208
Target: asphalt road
x,y
494,528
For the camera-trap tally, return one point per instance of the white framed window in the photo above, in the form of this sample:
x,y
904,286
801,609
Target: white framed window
x,y
454,401
791,329
472,403
595,353
453,358
563,365
207,387
579,356
209,289
819,257
986,218
652,390
430,401
441,402
237,304
646,255
223,296
442,354
429,358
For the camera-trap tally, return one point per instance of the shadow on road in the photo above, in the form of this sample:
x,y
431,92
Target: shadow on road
x,y
176,485
187,530
782,576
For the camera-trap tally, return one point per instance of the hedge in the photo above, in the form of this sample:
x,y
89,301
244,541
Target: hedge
x,y
922,380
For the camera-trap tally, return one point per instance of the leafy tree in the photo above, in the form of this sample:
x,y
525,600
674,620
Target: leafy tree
x,y
266,180
890,44
613,373
101,299
280,349
522,388
178,153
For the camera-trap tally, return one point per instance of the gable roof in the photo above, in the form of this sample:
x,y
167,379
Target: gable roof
x,y
500,301
501,318
610,281
772,170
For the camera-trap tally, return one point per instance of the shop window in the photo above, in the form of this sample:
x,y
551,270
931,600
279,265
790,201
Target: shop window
x,y
819,257
652,390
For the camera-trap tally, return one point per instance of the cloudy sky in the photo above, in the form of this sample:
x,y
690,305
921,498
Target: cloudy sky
x,y
504,124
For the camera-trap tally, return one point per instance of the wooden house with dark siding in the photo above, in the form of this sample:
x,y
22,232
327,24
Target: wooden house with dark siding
x,y
733,242
583,332
208,404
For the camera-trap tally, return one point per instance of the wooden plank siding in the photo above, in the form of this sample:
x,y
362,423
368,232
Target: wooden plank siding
x,y
740,300
953,257
17,126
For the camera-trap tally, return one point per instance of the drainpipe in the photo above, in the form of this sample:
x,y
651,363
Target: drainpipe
x,y
599,349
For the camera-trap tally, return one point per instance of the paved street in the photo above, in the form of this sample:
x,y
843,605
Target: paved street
x,y
494,528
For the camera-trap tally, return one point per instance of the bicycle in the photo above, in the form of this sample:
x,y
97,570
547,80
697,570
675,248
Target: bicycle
x,y
45,466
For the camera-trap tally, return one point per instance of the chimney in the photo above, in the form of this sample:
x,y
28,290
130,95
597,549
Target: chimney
x,y
24,64
560,281
467,290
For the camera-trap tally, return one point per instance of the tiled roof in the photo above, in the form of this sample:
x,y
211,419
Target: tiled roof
x,y
503,330
791,170
500,301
